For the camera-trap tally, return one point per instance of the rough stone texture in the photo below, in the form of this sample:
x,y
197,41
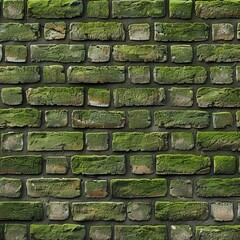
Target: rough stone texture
x,y
222,212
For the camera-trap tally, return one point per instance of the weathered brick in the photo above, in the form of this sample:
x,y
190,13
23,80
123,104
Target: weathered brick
x,y
222,119
181,188
182,164
97,141
16,53
10,187
181,53
99,97
139,141
56,118
15,231
224,164
222,31
98,164
180,9
138,188
53,74
96,189
139,74
60,96
98,8
56,165
182,140
13,9
104,211
54,30
221,75
58,210
55,141
100,232
139,32
183,232
222,211
181,211
141,164
237,114
139,119
12,141
53,187
139,211
12,96
99,53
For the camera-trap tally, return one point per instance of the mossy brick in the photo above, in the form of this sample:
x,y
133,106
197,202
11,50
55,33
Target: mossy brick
x,y
139,141
21,164
12,96
100,232
56,165
222,119
218,97
141,164
98,119
56,118
15,231
12,141
53,187
181,211
182,164
181,97
181,188
16,53
224,164
19,32
181,32
1,52
96,188
139,74
222,211
237,73
139,31
218,232
99,97
53,74
98,9
98,164
180,9
21,210
55,9
238,31
20,117
104,211
180,75
140,53
218,53
218,141
139,211
181,53
58,211
92,74
101,31
222,31
138,188
10,187
64,53
97,141
99,53
135,232
139,119
13,9
237,114
60,96
55,141
221,74
182,140
183,232
130,97
19,74
1,230
54,30
181,118
138,8
57,231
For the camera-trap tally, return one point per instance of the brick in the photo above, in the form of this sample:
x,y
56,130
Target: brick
x,y
98,9
153,232
53,74
56,9
54,30
21,211
101,31
180,9
181,118
181,53
222,211
96,189
222,119
138,8
15,231
99,53
180,75
139,211
92,74
130,97
181,31
98,119
19,32
54,231
56,118
139,74
139,119
99,97
56,165
19,74
139,141
182,140
16,53
238,31
183,232
100,232
60,96
182,164
218,187
181,211
181,188
98,164
20,117
222,31
104,211
141,164
97,141
10,187
13,9
53,187
55,141
64,53
138,188
21,164
58,210
12,96
139,32
224,164
221,75
12,141
140,53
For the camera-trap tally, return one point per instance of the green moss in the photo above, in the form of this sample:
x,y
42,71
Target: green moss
x,y
56,118
139,119
56,165
53,74
15,231
97,141
96,188
100,232
141,164
224,165
221,75
99,97
222,119
182,140
10,187
12,96
139,74
238,118
180,9
15,53
98,8
13,9
181,53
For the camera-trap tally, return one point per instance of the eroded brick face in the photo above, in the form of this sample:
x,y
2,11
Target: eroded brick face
x,y
119,119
